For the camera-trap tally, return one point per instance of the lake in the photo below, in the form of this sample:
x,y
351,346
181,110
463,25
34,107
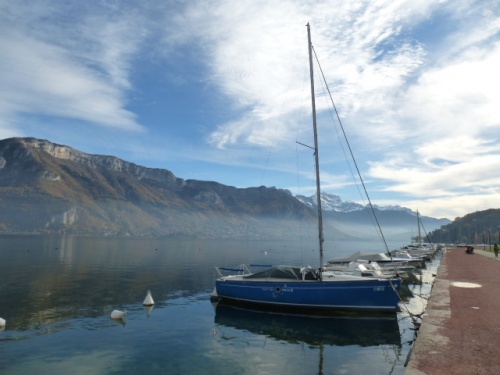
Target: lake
x,y
57,293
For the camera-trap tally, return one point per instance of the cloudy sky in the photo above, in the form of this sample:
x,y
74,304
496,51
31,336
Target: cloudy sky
x,y
219,90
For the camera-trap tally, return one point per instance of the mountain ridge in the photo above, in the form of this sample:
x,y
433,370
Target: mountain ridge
x,y
333,202
50,188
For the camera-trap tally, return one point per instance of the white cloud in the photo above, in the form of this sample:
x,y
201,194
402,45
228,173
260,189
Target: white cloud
x,y
450,116
258,56
415,82
70,68
454,206
459,97
426,112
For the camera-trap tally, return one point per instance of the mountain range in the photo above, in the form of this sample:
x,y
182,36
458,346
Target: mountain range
x,y
333,203
50,188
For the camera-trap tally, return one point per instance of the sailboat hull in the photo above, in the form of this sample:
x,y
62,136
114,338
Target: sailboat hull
x,y
378,295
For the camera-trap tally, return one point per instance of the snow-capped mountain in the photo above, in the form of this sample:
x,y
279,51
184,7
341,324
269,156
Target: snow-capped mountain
x,y
356,219
333,203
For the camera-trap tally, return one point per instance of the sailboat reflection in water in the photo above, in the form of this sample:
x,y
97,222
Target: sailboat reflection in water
x,y
334,330
307,288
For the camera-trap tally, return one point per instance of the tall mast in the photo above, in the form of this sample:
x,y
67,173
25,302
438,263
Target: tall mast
x,y
419,234
316,156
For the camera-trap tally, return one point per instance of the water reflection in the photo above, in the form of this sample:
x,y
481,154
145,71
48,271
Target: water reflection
x,y
338,330
51,279
148,310
56,295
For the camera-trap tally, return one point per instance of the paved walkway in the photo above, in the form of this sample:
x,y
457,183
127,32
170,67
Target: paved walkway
x,y
460,333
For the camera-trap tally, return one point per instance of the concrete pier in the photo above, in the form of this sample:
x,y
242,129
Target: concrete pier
x,y
460,332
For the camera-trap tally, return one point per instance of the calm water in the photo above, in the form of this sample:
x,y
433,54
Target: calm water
x,y
56,295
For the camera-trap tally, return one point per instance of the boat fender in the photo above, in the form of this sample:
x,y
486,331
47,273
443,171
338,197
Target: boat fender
x,y
117,314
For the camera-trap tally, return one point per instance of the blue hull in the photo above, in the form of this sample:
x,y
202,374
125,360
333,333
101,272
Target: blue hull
x,y
353,295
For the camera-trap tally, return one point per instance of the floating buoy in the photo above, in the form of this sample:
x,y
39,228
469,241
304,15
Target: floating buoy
x,y
2,322
148,301
117,314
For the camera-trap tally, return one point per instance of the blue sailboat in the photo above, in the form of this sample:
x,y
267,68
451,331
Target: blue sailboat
x,y
306,288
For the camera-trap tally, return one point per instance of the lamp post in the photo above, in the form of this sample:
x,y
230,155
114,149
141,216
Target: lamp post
x,y
489,237
475,232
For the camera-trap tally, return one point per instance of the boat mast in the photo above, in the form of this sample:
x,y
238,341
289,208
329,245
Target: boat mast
x,y
316,156
419,234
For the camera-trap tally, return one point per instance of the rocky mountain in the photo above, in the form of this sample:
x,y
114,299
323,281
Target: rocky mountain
x,y
353,218
51,188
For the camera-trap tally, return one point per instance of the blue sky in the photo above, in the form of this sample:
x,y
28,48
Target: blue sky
x,y
218,90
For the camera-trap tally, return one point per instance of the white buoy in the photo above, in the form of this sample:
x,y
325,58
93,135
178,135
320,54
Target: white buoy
x,y
2,322
148,301
117,314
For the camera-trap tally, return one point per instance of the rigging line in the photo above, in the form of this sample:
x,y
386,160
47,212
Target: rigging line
x,y
342,145
426,234
352,155
364,187
347,161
